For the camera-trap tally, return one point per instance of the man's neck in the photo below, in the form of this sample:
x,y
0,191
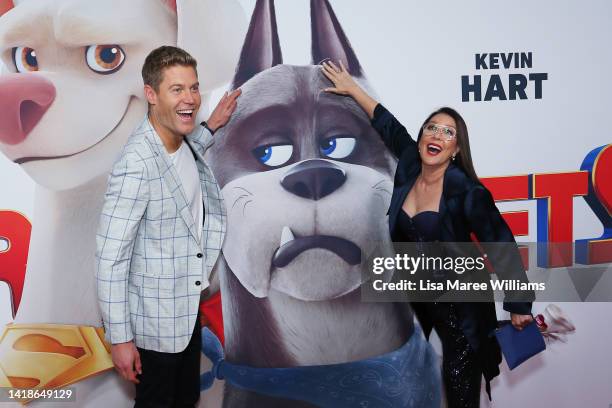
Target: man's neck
x,y
172,141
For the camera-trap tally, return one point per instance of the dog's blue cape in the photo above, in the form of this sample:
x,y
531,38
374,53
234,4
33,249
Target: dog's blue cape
x,y
407,377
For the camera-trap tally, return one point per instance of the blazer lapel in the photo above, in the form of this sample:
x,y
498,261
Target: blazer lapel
x,y
454,185
199,144
406,175
196,152
446,226
172,180
397,201
201,170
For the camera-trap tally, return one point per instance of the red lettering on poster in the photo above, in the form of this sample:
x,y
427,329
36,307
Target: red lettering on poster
x,y
15,231
555,194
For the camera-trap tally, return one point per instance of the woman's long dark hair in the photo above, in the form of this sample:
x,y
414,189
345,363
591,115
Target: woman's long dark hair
x,y
463,160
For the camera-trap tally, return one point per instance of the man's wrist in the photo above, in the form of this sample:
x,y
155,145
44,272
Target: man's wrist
x,y
211,129
123,342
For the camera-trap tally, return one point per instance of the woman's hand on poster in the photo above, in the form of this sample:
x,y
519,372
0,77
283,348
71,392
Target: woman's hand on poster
x,y
344,84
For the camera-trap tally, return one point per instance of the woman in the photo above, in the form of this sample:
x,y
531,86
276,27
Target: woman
x,y
437,197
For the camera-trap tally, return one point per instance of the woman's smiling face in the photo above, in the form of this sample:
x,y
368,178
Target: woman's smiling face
x,y
438,141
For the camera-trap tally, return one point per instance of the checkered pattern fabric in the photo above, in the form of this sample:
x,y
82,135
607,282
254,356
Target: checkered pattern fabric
x,y
151,264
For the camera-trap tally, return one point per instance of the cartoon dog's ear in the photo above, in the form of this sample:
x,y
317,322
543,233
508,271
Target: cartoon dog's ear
x,y
5,5
328,38
261,49
212,32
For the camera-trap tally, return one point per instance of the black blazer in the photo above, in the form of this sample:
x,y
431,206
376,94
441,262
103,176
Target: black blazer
x,y
466,207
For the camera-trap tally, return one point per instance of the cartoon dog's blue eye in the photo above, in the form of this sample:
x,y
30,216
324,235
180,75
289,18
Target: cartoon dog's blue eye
x,y
104,59
273,155
337,147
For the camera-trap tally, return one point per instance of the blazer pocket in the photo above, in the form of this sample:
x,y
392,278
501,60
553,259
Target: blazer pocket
x,y
162,283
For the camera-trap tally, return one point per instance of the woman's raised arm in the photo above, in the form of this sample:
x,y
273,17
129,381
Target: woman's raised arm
x,y
394,134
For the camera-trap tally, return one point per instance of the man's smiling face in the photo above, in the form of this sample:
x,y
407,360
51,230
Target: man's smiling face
x,y
175,104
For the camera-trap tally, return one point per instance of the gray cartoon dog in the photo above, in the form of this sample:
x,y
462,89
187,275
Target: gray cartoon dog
x,y
307,182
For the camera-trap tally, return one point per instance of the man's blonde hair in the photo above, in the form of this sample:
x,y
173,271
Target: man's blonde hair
x,y
161,58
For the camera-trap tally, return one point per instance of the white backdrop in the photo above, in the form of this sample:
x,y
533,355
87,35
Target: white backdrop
x,y
414,54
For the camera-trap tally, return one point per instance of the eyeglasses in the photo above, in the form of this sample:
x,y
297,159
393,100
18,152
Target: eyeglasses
x,y
430,129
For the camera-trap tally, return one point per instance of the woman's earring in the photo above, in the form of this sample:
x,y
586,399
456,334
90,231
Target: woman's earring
x,y
453,157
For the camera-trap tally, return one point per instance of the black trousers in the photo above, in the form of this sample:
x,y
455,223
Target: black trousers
x,y
461,370
170,379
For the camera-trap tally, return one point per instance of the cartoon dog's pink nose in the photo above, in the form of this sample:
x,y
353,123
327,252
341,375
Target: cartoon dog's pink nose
x,y
24,99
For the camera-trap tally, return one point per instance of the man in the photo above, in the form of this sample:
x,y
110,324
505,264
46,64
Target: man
x,y
160,233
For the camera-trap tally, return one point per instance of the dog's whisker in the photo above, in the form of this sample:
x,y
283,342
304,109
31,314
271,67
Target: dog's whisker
x,y
244,206
381,181
383,189
244,189
238,199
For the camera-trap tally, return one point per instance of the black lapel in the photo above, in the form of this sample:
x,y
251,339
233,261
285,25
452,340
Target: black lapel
x,y
455,183
397,200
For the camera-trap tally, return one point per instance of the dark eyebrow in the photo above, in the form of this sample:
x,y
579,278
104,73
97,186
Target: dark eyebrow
x,y
267,117
330,111
181,85
265,121
440,124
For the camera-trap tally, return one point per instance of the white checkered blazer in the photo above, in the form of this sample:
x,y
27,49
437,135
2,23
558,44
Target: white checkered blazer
x,y
151,265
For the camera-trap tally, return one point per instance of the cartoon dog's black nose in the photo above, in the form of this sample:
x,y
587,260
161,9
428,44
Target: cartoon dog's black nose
x,y
313,179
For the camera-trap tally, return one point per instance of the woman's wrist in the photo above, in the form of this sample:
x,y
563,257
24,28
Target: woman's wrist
x,y
355,91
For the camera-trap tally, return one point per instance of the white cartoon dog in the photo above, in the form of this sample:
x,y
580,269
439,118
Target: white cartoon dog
x,y
72,95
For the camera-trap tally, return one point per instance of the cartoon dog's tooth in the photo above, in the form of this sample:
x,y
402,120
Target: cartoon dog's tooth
x,y
307,182
71,93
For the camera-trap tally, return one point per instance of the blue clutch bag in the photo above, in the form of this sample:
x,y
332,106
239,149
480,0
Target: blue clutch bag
x,y
519,345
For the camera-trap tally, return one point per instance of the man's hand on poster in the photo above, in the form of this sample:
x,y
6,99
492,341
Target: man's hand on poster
x,y
223,111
